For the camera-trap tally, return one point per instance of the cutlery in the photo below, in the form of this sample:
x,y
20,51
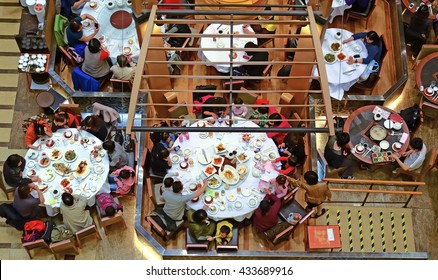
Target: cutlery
x,y
205,156
219,26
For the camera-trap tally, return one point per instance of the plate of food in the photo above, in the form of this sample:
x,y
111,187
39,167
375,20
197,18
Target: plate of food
x,y
85,140
213,209
246,137
257,157
183,165
252,202
62,168
48,175
50,143
258,144
245,191
93,5
229,175
68,134
378,133
330,58
131,41
263,138
209,170
341,56
31,173
70,156
55,154
272,156
220,148
214,182
44,161
356,48
336,46
33,155
208,199
187,152
242,157
238,205
127,50
231,197
99,169
43,187
396,146
218,161
82,170
241,169
175,159
65,183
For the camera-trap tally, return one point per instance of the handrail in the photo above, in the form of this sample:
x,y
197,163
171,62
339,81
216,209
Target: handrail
x,y
376,191
379,182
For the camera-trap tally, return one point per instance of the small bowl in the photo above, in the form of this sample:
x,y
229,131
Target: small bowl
x,y
384,144
31,173
272,156
183,165
208,199
193,187
196,199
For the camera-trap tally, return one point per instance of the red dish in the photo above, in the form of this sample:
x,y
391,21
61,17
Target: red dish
x,y
121,19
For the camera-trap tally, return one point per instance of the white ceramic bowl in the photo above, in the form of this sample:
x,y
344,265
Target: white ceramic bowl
x,y
384,144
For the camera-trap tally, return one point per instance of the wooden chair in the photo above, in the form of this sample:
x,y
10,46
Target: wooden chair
x,y
179,111
426,49
121,85
87,232
365,15
67,59
233,245
193,244
428,164
164,234
247,96
154,192
107,221
5,187
234,85
328,171
289,196
37,244
429,110
62,246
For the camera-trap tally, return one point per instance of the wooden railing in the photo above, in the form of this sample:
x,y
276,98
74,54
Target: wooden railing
x,y
373,183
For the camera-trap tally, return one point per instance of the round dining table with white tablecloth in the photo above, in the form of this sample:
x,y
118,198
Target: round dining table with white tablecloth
x,y
80,167
223,44
117,30
235,198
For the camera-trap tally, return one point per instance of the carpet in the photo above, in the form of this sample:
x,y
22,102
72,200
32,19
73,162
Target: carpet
x,y
371,229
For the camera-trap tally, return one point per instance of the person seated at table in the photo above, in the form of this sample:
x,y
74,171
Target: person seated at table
x,y
118,157
260,115
209,110
77,6
374,48
293,145
238,108
281,183
124,69
175,203
336,152
176,28
25,203
167,139
74,215
414,157
197,109
75,36
35,131
107,205
287,165
96,58
265,28
168,182
417,31
224,233
13,170
255,70
122,180
266,215
64,120
358,5
200,227
160,159
96,126
277,121
316,193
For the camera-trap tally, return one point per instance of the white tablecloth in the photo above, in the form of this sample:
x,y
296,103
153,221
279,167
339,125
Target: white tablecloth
x,y
115,39
87,186
338,81
251,183
223,45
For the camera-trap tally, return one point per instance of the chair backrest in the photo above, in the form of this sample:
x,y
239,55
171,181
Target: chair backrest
x,y
247,96
87,232
4,186
193,244
121,85
233,245
428,164
178,111
235,85
267,70
68,59
367,12
429,110
40,243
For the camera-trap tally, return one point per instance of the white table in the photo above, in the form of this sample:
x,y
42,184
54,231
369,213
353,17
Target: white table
x,y
223,44
338,81
193,174
115,40
87,184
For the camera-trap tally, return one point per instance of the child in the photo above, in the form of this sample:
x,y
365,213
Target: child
x,y
122,183
239,109
289,168
168,181
260,115
125,68
223,233
107,206
281,185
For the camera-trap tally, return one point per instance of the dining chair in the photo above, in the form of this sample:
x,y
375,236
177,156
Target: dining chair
x,y
160,230
88,231
154,192
37,244
107,221
329,172
429,110
428,164
362,15
233,245
247,97
67,59
5,187
121,85
63,246
234,85
179,111
193,244
426,49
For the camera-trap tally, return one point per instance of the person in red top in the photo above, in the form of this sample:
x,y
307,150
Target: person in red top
x,y
289,167
171,7
277,121
64,120
265,216
35,131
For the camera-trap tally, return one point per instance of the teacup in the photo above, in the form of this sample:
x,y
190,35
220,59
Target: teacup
x,y
377,117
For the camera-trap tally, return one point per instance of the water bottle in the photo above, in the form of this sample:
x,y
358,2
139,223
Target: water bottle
x,y
220,120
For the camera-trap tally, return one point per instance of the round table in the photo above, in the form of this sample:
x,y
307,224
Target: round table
x,y
45,99
360,122
197,145
223,46
118,37
427,72
88,183
413,5
339,77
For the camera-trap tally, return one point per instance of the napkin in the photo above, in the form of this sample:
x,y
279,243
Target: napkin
x,y
404,137
396,118
348,69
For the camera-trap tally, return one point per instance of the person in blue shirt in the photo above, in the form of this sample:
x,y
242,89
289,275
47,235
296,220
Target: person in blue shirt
x,y
75,35
374,48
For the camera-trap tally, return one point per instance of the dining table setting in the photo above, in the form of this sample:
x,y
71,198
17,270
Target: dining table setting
x,y
426,76
413,5
238,167
375,133
70,161
117,31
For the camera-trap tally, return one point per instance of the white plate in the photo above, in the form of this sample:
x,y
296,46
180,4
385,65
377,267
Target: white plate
x,y
245,191
238,205
41,158
229,171
272,156
68,134
242,159
388,124
65,158
218,148
31,173
218,184
203,135
252,202
208,168
31,164
99,169
77,192
175,158
33,155
55,154
384,144
213,209
336,51
218,158
397,126
187,152
231,197
48,175
86,171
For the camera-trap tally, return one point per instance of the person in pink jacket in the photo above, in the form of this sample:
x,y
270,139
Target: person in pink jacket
x,y
122,180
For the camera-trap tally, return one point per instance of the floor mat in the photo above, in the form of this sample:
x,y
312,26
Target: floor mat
x,y
371,229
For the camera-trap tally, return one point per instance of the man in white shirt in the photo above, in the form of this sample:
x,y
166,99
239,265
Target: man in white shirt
x,y
414,158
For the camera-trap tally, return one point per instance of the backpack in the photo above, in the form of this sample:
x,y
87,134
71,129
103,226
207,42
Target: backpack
x,y
412,117
33,230
60,233
291,43
27,122
284,71
74,54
